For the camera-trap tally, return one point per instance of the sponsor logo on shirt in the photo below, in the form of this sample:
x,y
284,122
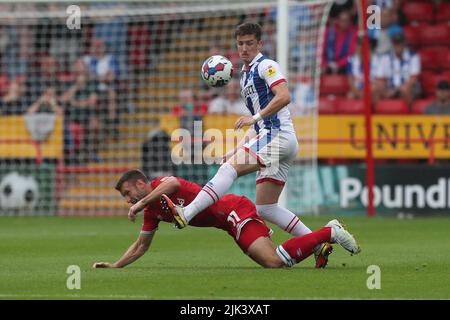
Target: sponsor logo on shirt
x,y
270,72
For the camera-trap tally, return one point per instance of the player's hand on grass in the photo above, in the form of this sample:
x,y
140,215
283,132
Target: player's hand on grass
x,y
103,265
244,121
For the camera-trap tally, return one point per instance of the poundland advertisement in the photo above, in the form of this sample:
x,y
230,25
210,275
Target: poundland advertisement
x,y
399,189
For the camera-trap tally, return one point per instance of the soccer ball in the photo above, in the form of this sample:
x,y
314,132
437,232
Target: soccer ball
x,y
18,192
217,71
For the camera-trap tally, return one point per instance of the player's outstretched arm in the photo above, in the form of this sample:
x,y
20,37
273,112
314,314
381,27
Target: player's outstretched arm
x,y
134,252
168,186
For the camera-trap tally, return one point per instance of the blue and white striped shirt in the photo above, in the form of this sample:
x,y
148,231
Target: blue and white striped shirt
x,y
256,83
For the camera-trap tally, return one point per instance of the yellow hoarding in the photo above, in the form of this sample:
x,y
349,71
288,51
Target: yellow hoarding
x,y
399,136
16,141
394,136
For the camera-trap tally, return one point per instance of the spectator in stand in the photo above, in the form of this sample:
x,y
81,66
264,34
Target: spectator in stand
x,y
398,71
268,37
47,102
342,5
340,44
230,103
189,111
12,98
389,27
442,103
42,73
356,75
81,107
102,65
105,68
188,106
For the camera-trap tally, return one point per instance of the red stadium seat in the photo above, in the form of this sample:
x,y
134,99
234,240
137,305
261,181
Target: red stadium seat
x,y
334,84
391,106
434,35
419,106
350,106
429,81
444,59
435,58
412,36
328,105
428,58
417,12
443,13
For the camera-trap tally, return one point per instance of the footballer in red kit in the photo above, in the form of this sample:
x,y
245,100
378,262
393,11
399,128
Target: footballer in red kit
x,y
233,214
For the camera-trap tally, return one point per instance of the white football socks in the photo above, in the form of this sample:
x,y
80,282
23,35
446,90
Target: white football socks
x,y
283,218
215,189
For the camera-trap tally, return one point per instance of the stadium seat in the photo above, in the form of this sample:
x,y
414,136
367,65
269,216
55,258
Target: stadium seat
x,y
391,106
444,59
428,59
333,84
435,58
350,106
417,12
434,35
443,13
419,106
429,81
412,36
328,105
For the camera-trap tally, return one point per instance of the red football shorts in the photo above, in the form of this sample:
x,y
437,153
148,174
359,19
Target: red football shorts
x,y
245,226
252,230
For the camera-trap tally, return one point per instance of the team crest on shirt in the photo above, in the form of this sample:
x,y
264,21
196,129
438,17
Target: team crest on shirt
x,y
270,72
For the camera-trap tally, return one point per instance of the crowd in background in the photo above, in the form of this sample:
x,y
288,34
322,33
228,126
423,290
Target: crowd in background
x,y
91,75
396,70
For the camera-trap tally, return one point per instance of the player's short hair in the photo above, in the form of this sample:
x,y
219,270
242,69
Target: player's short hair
x,y
248,28
131,176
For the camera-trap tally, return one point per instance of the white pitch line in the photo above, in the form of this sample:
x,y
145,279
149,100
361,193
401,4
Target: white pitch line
x,y
81,296
111,296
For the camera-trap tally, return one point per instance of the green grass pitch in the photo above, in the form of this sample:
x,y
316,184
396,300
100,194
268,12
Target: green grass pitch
x,y
204,263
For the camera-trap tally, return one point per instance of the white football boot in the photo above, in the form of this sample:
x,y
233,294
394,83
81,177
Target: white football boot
x,y
343,237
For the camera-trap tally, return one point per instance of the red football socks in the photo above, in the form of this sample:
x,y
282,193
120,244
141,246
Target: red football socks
x,y
299,248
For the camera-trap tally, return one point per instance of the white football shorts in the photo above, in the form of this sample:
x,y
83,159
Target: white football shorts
x,y
275,151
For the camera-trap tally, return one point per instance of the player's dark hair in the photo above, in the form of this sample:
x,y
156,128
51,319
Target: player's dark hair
x,y
131,176
248,28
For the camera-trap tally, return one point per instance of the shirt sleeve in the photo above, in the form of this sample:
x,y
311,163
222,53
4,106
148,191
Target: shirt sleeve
x,y
156,182
151,222
415,65
270,71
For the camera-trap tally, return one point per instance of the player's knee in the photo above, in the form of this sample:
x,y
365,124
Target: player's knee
x,y
272,262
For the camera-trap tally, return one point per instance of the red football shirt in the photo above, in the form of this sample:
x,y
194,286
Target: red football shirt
x,y
214,216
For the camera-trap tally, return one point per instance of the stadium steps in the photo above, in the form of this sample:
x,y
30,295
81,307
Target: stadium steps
x,y
147,117
134,152
179,65
157,91
92,193
95,204
138,129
